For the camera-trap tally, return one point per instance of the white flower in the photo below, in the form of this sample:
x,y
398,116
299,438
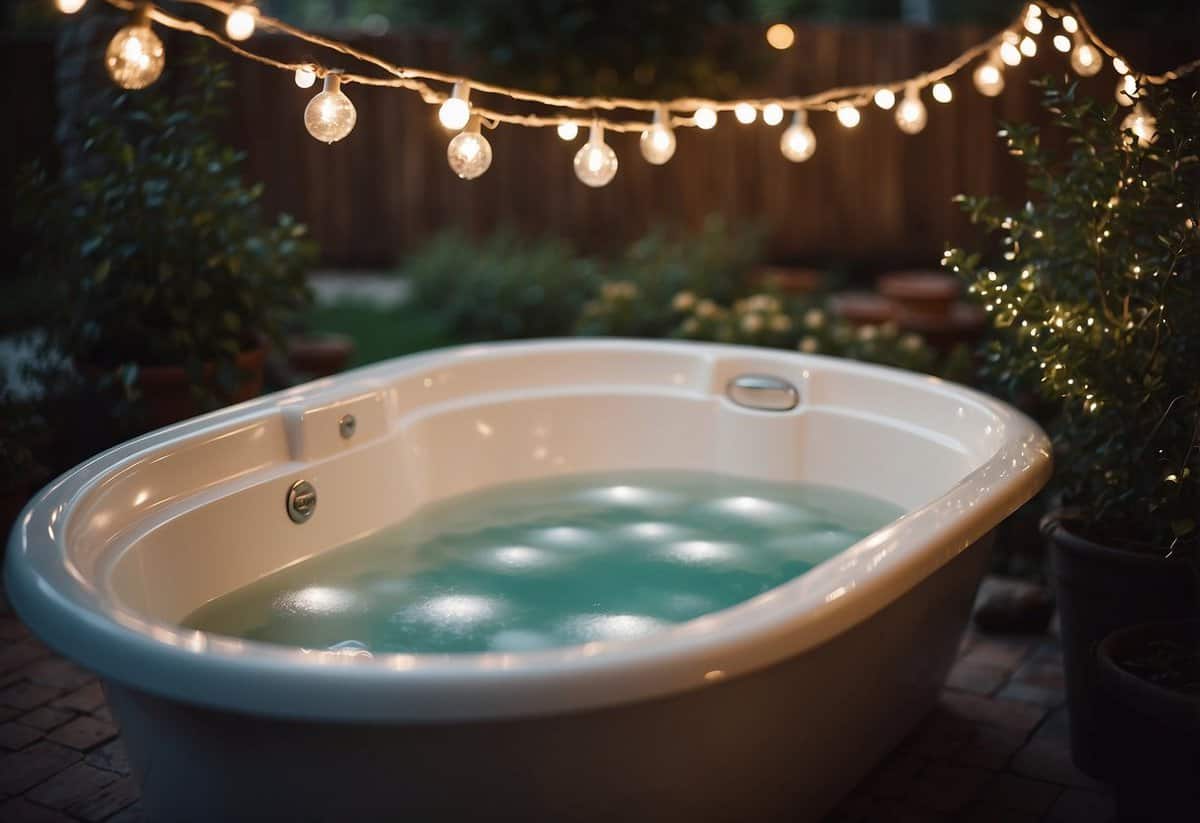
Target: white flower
x,y
867,333
706,308
889,329
814,318
809,344
780,323
619,290
691,326
751,323
684,301
911,342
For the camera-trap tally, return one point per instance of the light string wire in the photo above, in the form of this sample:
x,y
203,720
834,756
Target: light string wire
x,y
414,79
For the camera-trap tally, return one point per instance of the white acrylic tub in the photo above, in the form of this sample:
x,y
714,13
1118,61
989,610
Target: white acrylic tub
x,y
768,710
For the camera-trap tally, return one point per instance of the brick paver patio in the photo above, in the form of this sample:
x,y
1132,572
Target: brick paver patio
x,y
994,750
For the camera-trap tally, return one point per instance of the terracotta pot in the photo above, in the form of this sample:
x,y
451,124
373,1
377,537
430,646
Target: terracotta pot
x,y
319,355
860,308
1100,590
1155,732
922,294
790,279
167,393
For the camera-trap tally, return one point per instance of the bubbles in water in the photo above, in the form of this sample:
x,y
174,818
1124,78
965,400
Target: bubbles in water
x,y
317,600
655,531
519,559
351,648
454,611
703,552
611,626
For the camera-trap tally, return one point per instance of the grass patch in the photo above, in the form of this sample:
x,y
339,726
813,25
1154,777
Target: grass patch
x,y
380,333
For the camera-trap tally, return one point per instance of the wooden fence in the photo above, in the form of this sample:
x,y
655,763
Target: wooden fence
x,y
870,195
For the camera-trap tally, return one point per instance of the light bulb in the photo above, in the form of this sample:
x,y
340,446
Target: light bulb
x,y
135,56
70,6
1062,43
910,114
1120,66
1033,24
456,111
885,99
772,114
658,142
781,36
1127,90
305,76
596,163
705,117
989,79
1010,54
469,153
848,116
330,115
568,131
942,92
1086,60
1034,10
745,113
1028,47
1141,123
1070,24
798,141
239,25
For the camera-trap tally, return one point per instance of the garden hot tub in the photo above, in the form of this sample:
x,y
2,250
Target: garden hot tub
x,y
769,709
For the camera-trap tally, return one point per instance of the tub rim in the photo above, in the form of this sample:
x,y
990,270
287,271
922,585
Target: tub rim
x,y
260,678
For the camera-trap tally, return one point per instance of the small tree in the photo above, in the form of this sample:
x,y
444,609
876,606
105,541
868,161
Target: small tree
x,y
1093,288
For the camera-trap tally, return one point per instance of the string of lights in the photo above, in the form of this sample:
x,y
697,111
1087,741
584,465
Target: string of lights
x,y
135,58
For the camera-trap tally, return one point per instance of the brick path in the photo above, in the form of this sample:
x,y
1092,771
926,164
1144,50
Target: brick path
x,y
994,751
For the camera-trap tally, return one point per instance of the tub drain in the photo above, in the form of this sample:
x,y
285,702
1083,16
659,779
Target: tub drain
x,y
301,501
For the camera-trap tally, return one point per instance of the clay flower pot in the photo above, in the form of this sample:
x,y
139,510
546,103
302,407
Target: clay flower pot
x,y
167,390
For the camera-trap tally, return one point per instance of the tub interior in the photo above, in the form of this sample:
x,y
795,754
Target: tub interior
x,y
195,517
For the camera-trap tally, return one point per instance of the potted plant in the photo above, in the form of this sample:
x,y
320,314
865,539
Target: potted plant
x,y
1151,675
1093,289
169,276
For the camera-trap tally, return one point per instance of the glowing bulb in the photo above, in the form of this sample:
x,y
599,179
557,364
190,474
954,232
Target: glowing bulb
x,y
70,6
781,36
1028,47
1062,43
305,77
798,141
135,56
705,118
1070,24
469,153
745,113
1033,24
1010,54
885,99
1034,10
772,114
1086,60
848,116
596,162
910,114
239,25
568,131
658,141
1141,123
942,93
1120,66
1127,89
330,115
456,111
989,79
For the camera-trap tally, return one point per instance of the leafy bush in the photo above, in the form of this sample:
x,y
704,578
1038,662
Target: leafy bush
x,y
504,288
1094,288
159,253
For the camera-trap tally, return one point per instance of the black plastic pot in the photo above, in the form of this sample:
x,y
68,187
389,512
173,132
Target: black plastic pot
x,y
1100,590
1154,762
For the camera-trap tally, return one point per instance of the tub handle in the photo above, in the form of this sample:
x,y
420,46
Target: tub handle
x,y
763,392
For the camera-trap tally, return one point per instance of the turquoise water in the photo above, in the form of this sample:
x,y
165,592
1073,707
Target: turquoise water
x,y
553,562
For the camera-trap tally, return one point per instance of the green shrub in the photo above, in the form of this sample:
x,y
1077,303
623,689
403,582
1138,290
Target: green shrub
x,y
1093,287
504,288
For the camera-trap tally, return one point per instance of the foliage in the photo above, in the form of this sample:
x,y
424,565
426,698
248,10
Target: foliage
x,y
506,287
21,428
715,261
1095,290
159,254
628,47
